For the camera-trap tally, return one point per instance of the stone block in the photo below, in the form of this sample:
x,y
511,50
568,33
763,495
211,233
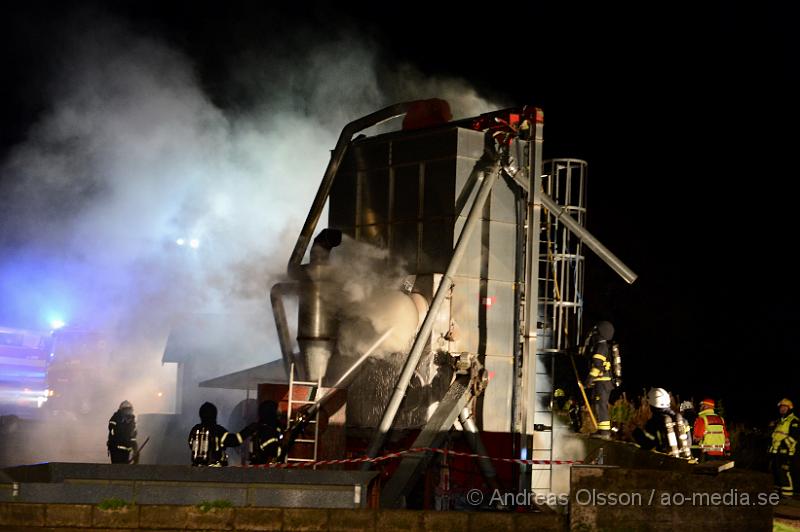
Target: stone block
x,y
127,517
483,521
258,519
539,521
305,519
396,520
435,521
78,515
345,520
213,519
22,514
161,517
603,497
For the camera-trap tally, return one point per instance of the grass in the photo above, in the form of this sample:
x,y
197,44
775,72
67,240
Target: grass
x,y
113,504
785,526
207,506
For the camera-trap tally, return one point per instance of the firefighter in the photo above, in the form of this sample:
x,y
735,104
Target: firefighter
x,y
208,440
688,412
121,441
559,401
665,430
265,436
710,433
784,444
599,380
575,414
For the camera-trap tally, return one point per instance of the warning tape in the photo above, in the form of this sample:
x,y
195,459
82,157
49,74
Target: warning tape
x,y
399,454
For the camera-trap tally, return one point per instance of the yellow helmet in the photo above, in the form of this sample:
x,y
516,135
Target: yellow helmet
x,y
786,402
559,393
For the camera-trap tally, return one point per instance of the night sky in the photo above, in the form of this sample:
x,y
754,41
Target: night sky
x,y
687,116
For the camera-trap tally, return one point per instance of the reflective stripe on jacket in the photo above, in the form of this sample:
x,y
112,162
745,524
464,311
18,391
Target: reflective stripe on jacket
x,y
711,433
784,437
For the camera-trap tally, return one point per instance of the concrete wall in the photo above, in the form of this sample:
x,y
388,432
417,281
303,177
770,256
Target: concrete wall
x,y
57,517
613,498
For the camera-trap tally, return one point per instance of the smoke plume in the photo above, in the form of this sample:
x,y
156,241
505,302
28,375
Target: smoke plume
x,y
136,199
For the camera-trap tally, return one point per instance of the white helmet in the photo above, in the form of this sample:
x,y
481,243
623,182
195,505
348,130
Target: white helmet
x,y
658,398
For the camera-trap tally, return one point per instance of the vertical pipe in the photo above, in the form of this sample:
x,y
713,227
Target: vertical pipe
x,y
489,178
519,280
531,294
279,312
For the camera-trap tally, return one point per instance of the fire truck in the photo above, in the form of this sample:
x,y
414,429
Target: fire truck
x,y
24,358
50,372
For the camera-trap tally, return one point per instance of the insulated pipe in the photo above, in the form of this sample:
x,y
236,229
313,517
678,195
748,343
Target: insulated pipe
x,y
489,179
284,338
476,444
387,113
560,213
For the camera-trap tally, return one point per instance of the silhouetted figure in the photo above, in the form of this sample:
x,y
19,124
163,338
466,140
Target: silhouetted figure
x,y
122,445
711,433
208,440
598,347
265,436
785,434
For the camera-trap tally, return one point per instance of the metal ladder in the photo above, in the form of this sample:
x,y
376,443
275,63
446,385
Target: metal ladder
x,y
316,388
559,306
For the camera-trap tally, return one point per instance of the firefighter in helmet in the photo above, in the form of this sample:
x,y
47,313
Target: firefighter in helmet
x,y
264,436
784,446
710,432
598,347
121,443
665,431
208,440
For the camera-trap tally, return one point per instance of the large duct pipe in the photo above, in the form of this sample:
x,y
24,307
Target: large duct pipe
x,y
489,179
276,295
378,117
316,324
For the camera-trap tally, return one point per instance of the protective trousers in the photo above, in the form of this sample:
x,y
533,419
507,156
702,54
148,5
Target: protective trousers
x,y
602,391
782,473
119,456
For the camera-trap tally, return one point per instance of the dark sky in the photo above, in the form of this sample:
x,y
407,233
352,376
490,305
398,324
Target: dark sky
x,y
686,115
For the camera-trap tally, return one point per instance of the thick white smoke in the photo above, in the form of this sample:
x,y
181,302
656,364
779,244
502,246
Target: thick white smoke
x,y
370,301
133,154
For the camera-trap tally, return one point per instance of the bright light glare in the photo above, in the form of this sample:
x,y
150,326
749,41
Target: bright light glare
x,y
57,323
159,394
194,243
180,241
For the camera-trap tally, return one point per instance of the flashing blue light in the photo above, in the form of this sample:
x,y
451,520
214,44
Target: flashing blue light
x,y
56,323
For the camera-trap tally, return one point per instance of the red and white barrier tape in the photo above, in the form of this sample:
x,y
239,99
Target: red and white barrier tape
x,y
398,454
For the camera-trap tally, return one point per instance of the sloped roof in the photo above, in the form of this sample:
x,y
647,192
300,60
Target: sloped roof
x,y
249,379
